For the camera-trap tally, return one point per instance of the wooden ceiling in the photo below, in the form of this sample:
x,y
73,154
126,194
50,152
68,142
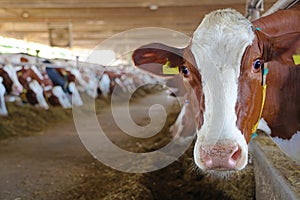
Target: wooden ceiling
x,y
92,21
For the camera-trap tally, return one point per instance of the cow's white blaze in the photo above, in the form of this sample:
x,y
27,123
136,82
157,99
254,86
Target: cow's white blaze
x,y
62,97
104,85
218,45
37,72
78,76
38,90
76,99
91,88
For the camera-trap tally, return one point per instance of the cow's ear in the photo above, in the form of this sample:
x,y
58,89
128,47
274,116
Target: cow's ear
x,y
274,47
158,59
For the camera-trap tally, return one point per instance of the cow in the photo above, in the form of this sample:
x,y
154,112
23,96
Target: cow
x,y
64,78
3,109
109,80
33,91
183,130
225,75
86,80
10,80
54,94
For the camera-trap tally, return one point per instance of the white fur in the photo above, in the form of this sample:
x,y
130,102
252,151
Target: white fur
x,y
218,45
78,76
3,110
38,90
76,99
121,84
62,97
128,82
91,88
104,85
263,125
48,87
291,147
37,72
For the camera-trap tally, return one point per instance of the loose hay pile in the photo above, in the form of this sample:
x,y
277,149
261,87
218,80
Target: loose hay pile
x,y
24,120
180,180
177,181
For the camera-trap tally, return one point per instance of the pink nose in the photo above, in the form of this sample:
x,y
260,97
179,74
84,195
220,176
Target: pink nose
x,y
220,156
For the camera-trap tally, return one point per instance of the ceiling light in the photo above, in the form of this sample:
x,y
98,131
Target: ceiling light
x,y
25,14
153,6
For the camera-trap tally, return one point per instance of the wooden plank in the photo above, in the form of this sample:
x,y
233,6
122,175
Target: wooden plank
x,y
107,13
111,3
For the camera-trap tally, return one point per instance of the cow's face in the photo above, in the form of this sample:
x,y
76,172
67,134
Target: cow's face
x,y
37,89
223,86
59,97
218,46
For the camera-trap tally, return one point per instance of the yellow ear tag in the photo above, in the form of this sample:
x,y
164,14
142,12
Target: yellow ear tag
x,y
167,69
296,59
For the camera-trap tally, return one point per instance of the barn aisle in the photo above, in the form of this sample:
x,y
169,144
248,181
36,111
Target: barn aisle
x,y
55,165
46,165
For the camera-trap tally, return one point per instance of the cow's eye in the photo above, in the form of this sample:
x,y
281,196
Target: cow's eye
x,y
185,71
256,65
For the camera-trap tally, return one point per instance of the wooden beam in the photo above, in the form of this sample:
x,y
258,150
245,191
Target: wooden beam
x,y
48,14
111,3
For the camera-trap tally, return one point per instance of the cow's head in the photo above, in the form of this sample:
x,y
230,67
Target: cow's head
x,y
104,84
17,88
37,94
222,72
33,90
76,99
59,97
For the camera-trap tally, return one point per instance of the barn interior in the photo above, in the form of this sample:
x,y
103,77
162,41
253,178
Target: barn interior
x,y
43,152
78,25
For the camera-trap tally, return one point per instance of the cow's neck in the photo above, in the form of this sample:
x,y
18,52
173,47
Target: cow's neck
x,y
286,24
282,109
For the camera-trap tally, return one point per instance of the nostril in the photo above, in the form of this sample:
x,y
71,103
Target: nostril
x,y
235,156
207,161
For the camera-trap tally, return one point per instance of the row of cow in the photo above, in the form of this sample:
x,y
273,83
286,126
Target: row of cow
x,y
57,82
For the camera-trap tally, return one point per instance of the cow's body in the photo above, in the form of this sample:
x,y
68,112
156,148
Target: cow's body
x,y
282,108
223,74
